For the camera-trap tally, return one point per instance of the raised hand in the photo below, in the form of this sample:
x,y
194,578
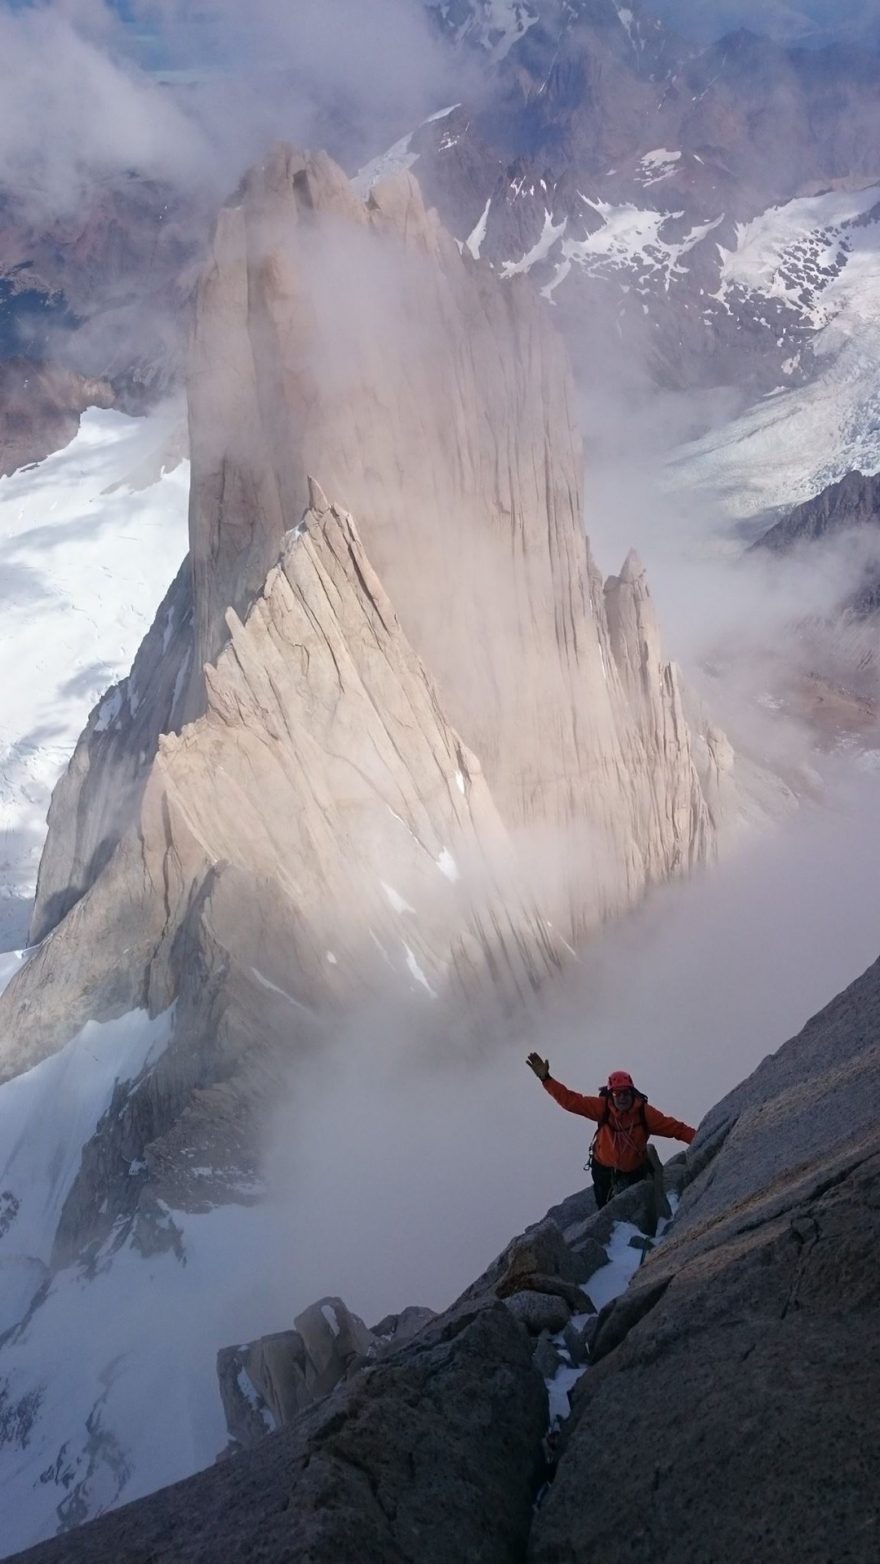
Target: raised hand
x,y
540,1066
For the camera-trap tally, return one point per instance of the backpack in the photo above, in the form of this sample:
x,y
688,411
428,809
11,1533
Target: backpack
x,y
605,1093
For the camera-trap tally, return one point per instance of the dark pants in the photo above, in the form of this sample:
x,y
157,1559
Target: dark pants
x,y
610,1181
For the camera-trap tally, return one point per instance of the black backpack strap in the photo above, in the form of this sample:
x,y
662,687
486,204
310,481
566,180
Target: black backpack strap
x,y
604,1094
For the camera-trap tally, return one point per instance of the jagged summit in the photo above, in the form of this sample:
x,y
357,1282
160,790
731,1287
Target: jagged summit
x,y
632,569
354,340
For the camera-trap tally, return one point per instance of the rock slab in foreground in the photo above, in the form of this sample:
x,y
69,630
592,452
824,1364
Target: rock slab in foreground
x,y
428,1458
741,1404
731,1408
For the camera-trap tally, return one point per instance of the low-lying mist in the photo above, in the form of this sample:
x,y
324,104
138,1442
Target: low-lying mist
x,y
751,629
395,1176
192,95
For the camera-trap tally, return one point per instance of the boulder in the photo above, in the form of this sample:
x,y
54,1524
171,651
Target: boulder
x,y
262,1386
547,1356
333,1339
395,1329
539,1311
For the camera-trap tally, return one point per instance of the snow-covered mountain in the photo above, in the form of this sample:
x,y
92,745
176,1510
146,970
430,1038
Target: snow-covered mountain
x,y
812,264
621,167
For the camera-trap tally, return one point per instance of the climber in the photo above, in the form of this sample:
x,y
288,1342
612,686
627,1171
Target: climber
x,y
619,1154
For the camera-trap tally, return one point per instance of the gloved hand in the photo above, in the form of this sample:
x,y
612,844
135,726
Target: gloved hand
x,y
540,1066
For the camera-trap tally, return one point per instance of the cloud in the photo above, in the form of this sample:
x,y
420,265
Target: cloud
x,y
403,1161
74,110
810,22
192,95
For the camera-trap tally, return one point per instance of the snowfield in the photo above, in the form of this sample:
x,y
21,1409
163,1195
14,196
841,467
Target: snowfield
x,y
92,1345
821,257
629,245
90,540
798,252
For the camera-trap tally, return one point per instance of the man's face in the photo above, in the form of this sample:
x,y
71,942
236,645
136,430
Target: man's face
x,y
622,1099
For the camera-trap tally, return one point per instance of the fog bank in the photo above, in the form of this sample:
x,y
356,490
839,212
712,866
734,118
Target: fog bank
x,y
396,1178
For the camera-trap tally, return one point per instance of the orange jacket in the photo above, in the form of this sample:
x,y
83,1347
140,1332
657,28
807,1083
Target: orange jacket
x,y
621,1143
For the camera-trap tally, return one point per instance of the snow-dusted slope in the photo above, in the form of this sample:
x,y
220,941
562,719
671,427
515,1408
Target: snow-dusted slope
x,y
398,158
819,259
89,542
814,253
492,25
96,1344
638,246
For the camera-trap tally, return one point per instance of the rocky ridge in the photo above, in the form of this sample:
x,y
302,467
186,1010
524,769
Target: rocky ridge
x,y
736,1346
852,502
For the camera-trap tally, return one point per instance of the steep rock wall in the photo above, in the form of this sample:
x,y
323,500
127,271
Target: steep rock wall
x,y
355,342
323,811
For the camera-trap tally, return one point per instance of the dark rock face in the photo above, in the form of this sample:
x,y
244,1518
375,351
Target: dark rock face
x,y
748,1382
102,291
40,406
853,502
428,1457
748,1345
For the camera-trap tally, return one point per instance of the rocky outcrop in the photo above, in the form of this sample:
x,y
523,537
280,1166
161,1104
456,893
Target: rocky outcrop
x,y
679,812
40,407
853,502
429,1456
266,1383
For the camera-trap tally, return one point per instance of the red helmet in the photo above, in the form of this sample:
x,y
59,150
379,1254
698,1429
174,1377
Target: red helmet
x,y
619,1081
